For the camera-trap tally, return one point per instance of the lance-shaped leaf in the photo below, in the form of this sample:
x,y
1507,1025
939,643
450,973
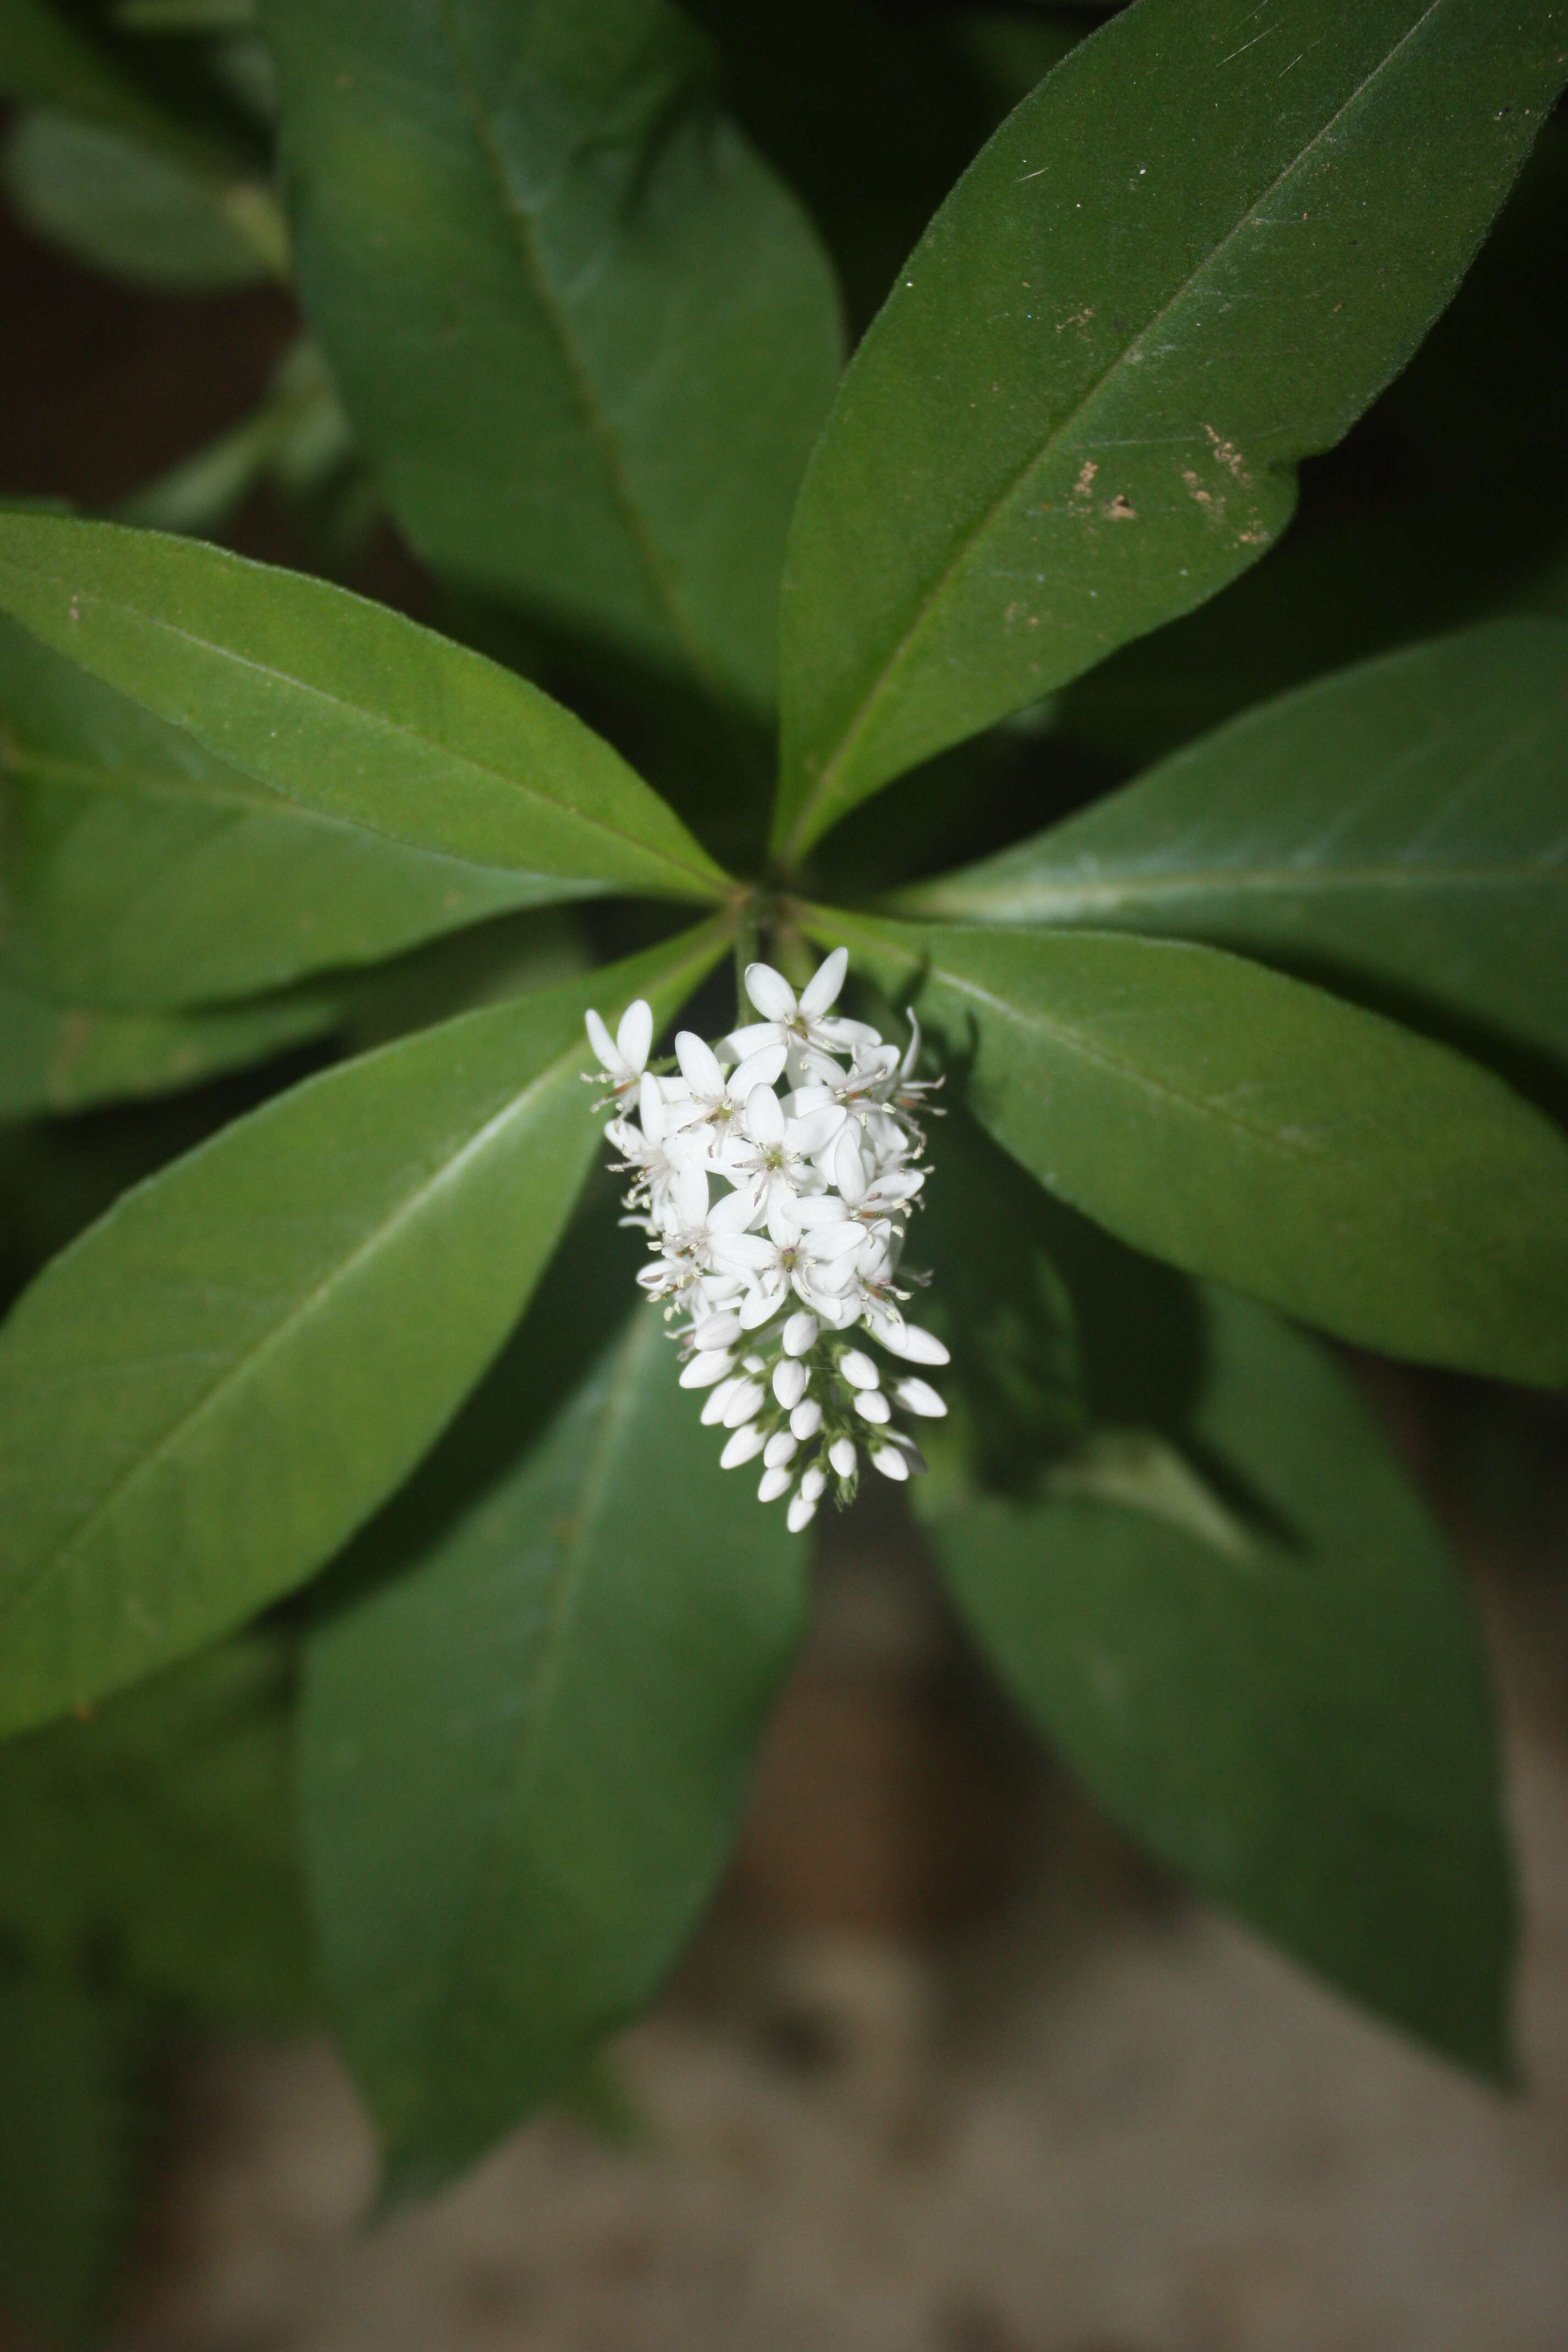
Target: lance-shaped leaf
x,y
346,709
123,206
1403,825
64,1058
586,336
1247,1126
1186,262
210,1389
1305,1730
143,872
523,1757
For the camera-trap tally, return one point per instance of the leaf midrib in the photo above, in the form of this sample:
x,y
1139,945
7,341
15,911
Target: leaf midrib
x,y
710,885
578,375
302,1310
1202,1107
536,1720
1062,897
801,832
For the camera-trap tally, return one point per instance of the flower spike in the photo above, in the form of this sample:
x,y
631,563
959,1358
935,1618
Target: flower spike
x,y
799,1246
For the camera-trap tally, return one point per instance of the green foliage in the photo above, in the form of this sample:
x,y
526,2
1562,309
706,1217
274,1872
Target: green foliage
x,y
1396,830
121,205
347,709
154,1841
69,2133
58,1056
524,1753
205,1395
1303,1730
587,336
1067,424
582,343
1246,1126
145,873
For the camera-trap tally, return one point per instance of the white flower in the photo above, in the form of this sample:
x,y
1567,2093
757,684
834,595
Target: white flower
x,y
773,1157
624,1057
803,1245
808,1248
711,1104
799,1023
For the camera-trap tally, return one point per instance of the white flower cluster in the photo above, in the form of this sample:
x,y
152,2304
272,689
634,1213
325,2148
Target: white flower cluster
x,y
776,1225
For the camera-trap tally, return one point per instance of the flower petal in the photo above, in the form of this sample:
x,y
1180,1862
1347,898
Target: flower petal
x,y
764,1118
698,1065
743,1252
602,1041
758,1069
635,1034
771,993
824,985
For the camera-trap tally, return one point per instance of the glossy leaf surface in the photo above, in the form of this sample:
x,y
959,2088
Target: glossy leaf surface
x,y
121,206
143,872
156,1839
1246,1126
1188,261
1307,1733
1404,824
586,336
346,709
65,1057
210,1389
524,1756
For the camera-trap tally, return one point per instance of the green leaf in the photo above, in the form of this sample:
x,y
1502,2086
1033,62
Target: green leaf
x,y
347,710
68,2134
1079,413
585,335
1402,826
65,1057
143,872
1246,1126
121,206
47,58
211,1388
524,1756
1307,1735
156,1838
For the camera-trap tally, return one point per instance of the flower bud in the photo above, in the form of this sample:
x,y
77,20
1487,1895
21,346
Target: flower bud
x,y
800,1335
703,1370
872,1405
916,1396
807,1418
745,1444
841,1453
791,1381
890,1462
915,1346
744,1404
813,1482
858,1369
774,1484
781,1448
801,1514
